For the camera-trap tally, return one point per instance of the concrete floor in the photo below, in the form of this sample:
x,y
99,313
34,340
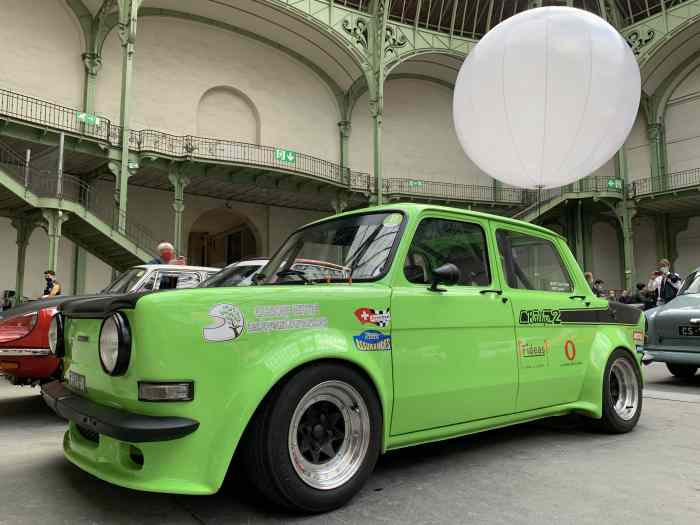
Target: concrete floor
x,y
549,472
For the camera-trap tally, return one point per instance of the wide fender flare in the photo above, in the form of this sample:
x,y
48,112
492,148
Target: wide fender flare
x,y
256,380
604,343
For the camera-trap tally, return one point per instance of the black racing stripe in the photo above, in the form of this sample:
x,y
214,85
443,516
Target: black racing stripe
x,y
615,313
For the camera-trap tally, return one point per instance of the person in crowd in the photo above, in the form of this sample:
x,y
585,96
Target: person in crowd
x,y
625,297
598,288
639,296
665,283
166,255
53,287
589,280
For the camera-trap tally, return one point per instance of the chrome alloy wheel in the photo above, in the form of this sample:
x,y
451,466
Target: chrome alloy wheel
x,y
624,388
329,435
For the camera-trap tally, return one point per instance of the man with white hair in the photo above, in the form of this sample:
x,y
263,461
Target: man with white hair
x,y
166,255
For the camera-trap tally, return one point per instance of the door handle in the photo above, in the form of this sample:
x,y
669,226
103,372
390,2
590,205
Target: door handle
x,y
582,297
497,292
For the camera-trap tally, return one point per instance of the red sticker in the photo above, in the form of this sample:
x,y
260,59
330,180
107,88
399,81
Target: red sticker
x,y
570,350
371,316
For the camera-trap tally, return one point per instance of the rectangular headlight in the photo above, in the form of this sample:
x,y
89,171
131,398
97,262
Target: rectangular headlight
x,y
171,391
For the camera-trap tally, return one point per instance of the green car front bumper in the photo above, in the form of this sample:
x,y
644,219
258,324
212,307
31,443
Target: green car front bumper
x,y
132,450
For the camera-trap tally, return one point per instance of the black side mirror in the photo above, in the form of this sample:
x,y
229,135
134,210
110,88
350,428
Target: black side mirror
x,y
448,273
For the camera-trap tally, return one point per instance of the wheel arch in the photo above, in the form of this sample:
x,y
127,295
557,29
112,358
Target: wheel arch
x,y
232,434
602,348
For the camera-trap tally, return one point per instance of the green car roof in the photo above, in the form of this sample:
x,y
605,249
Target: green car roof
x,y
414,209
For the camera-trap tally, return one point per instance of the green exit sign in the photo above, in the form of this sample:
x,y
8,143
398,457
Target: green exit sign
x,y
285,155
88,118
615,184
415,183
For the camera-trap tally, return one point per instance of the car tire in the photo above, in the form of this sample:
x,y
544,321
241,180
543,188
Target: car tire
x,y
682,371
315,440
622,393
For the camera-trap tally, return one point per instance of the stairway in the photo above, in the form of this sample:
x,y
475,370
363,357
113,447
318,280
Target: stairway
x,y
91,225
589,187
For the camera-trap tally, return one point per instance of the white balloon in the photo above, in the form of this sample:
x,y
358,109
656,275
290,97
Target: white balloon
x,y
546,97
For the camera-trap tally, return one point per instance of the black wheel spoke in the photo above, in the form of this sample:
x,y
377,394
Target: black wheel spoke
x,y
321,432
327,449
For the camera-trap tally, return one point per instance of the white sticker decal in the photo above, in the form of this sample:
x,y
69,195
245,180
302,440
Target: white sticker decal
x,y
228,323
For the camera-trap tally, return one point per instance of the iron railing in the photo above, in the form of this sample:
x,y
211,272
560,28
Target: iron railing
x,y
58,117
69,120
671,182
448,191
596,184
69,188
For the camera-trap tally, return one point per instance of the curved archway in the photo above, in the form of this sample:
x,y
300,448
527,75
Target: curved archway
x,y
224,112
221,236
675,47
423,54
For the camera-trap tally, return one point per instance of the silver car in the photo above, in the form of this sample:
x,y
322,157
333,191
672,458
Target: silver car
x,y
673,331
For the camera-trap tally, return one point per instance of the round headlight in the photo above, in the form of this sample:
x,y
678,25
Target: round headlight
x,y
115,344
56,336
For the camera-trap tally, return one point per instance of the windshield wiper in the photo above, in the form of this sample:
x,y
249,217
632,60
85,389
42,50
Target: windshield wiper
x,y
360,251
297,273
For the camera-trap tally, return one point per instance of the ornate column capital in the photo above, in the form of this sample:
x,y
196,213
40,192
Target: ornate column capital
x,y
345,126
92,63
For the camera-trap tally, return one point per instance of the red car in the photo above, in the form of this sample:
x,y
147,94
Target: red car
x,y
25,358
24,345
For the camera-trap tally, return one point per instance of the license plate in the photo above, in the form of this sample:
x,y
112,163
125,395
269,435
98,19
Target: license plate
x,y
689,331
77,382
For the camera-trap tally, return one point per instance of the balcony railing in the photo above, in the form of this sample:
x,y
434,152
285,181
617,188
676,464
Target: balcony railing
x,y
679,180
70,120
61,118
597,184
448,191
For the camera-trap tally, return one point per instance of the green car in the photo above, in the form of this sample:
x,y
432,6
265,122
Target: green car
x,y
438,323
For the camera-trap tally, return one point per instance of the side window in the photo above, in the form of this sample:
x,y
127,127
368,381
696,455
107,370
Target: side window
x,y
168,281
441,241
532,263
187,280
148,284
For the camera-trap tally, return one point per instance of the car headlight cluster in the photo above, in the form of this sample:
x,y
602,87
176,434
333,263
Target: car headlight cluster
x,y
115,344
56,336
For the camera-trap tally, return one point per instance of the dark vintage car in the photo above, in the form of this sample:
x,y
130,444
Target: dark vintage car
x,y
25,356
673,334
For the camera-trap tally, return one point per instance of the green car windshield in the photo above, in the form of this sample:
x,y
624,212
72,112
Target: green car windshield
x,y
354,247
691,284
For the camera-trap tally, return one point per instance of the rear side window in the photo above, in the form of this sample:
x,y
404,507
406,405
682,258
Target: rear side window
x,y
441,241
532,263
187,280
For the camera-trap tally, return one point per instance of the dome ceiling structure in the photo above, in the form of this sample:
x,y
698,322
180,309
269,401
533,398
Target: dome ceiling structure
x,y
473,18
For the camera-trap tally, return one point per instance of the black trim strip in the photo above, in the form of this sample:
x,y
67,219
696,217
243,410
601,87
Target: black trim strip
x,y
119,424
615,313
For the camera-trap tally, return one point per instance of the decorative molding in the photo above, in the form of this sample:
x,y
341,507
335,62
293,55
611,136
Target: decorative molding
x,y
636,41
393,40
358,31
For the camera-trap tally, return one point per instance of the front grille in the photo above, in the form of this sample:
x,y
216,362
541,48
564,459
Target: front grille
x,y
89,434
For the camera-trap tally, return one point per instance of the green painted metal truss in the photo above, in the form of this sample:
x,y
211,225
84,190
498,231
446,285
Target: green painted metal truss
x,y
669,17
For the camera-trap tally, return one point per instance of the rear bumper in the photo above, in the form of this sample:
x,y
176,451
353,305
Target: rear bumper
x,y
675,355
28,366
23,352
112,422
